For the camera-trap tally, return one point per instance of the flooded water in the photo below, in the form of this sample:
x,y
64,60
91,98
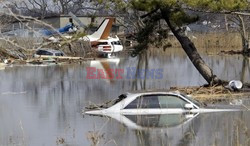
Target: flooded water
x,y
43,105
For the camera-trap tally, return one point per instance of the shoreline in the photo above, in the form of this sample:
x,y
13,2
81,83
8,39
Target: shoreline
x,y
213,94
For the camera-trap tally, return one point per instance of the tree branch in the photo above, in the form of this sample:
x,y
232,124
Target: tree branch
x,y
150,13
218,12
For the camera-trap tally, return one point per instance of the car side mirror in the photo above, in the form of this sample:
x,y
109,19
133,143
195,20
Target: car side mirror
x,y
189,106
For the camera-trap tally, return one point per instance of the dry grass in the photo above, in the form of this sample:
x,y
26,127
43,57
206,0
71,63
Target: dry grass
x,y
212,43
211,94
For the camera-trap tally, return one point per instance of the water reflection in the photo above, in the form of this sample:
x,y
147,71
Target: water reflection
x,y
39,105
104,67
205,129
142,64
176,129
245,69
152,122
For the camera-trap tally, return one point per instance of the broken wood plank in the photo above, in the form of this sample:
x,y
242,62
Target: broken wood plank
x,y
2,66
60,57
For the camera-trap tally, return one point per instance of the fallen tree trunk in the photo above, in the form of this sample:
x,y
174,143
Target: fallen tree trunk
x,y
7,53
60,57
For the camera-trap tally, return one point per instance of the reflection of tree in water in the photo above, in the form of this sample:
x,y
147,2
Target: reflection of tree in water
x,y
143,137
142,65
245,66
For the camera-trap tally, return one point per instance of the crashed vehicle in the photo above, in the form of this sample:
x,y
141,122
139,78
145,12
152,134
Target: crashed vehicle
x,y
107,47
152,103
48,52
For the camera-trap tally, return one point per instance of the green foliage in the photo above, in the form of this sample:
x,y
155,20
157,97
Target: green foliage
x,y
149,5
177,14
100,1
120,4
143,5
213,5
175,11
145,34
218,5
179,18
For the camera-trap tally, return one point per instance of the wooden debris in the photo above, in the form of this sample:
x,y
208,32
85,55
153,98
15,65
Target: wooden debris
x,y
61,57
233,52
56,59
2,66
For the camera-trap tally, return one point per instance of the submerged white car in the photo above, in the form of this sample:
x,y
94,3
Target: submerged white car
x,y
152,103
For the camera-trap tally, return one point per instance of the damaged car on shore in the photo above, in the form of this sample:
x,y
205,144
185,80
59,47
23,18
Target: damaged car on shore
x,y
48,52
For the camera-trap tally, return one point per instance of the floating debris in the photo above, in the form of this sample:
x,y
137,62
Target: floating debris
x,y
2,66
236,102
13,93
235,85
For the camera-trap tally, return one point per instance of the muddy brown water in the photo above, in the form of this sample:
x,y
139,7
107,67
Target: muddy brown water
x,y
42,105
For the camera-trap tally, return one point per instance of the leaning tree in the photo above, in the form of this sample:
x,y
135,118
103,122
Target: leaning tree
x,y
176,14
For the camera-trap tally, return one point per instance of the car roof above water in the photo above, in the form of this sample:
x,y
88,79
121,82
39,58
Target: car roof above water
x,y
155,92
147,92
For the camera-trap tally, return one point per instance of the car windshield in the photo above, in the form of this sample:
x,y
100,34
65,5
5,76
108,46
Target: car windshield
x,y
44,52
157,101
193,101
58,54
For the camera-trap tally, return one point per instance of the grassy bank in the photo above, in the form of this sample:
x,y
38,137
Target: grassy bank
x,y
212,94
212,43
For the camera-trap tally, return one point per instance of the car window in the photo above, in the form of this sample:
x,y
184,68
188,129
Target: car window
x,y
116,43
170,101
48,53
193,101
102,43
119,43
59,54
40,52
43,52
157,101
148,101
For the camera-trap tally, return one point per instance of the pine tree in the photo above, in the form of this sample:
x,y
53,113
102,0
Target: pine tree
x,y
175,14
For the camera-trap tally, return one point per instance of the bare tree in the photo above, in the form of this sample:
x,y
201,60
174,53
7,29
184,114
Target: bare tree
x,y
43,8
241,23
79,6
33,7
64,6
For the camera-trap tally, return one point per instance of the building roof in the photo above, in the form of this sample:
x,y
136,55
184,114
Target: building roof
x,y
67,16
